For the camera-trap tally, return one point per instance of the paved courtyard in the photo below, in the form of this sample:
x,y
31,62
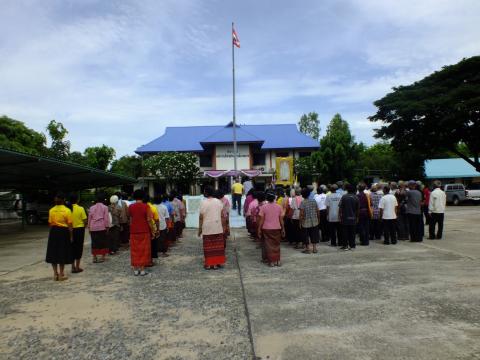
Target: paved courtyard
x,y
409,301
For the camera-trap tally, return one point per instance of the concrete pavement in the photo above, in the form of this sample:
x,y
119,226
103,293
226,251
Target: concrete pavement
x,y
408,301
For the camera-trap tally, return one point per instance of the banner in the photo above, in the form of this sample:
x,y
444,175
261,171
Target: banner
x,y
220,173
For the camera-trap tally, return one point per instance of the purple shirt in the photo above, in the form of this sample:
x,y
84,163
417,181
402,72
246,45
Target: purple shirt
x,y
98,219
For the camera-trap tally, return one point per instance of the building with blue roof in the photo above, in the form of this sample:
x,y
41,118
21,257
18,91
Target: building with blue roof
x,y
451,170
258,146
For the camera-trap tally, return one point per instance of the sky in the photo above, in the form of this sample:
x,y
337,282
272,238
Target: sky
x,y
118,72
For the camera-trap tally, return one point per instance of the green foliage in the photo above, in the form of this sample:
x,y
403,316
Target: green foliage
x,y
310,125
60,148
99,157
128,165
435,114
173,167
381,159
77,158
338,154
305,166
380,156
14,135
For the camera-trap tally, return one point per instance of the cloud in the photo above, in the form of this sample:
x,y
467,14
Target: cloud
x,y
119,72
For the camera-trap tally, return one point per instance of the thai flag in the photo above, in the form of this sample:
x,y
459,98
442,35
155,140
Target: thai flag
x,y
235,39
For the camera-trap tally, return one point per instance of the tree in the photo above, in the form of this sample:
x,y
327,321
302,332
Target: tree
x,y
99,156
338,154
59,148
173,167
435,114
310,125
77,158
14,135
305,169
128,165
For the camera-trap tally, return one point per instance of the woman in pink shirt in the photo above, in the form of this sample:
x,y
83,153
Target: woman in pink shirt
x,y
98,224
211,229
271,230
250,221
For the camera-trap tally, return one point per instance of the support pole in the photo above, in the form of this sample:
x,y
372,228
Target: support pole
x,y
234,120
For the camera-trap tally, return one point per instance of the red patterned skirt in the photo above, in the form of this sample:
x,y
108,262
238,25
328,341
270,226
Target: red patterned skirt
x,y
214,249
140,249
99,242
271,245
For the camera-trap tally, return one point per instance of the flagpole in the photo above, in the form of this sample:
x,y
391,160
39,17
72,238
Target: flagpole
x,y
234,120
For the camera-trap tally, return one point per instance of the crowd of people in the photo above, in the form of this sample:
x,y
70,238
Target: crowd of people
x,y
338,213
148,228
334,213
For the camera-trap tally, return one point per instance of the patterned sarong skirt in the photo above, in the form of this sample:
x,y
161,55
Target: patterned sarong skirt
x,y
214,249
271,245
140,249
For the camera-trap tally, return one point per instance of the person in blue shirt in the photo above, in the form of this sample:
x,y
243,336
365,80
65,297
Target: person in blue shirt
x,y
170,224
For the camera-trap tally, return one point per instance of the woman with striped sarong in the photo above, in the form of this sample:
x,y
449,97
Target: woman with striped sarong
x,y
211,229
142,229
271,230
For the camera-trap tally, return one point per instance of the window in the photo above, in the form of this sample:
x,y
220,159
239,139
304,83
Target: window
x,y
304,154
206,160
258,159
282,154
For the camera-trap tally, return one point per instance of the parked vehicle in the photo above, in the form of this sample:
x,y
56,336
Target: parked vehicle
x,y
37,204
473,191
456,193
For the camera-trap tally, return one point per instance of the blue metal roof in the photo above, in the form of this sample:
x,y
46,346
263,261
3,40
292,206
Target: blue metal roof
x,y
449,168
274,136
225,135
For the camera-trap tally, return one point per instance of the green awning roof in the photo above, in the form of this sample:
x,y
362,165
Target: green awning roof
x,y
23,171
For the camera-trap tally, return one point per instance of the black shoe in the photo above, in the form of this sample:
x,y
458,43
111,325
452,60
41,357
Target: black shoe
x,y
439,238
386,243
394,242
344,248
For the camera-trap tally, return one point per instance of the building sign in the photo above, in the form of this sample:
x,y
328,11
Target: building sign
x,y
284,170
224,157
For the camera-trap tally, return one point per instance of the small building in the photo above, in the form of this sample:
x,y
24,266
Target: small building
x,y
259,149
453,170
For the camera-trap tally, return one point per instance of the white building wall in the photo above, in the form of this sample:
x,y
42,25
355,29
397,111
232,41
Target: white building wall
x,y
224,157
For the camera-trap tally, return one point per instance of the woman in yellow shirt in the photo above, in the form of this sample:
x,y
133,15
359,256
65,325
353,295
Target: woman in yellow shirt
x,y
79,220
59,248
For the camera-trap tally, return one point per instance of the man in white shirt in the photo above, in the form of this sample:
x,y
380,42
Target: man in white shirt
x,y
388,213
320,198
436,207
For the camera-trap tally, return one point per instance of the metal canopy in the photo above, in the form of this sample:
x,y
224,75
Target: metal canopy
x,y
23,171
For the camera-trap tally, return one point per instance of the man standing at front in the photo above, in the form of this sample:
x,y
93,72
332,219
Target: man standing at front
x,y
237,191
436,207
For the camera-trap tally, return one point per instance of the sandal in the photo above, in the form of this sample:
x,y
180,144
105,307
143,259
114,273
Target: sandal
x,y
306,251
315,251
62,278
55,277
